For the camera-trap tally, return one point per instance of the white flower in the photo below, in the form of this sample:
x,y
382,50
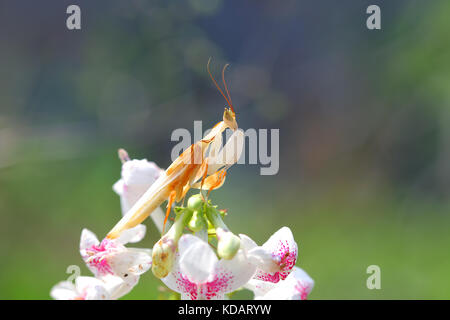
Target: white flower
x,y
275,258
111,258
137,177
87,288
198,274
296,286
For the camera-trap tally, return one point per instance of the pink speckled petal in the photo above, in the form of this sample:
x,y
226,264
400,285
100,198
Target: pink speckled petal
x,y
296,286
96,256
302,282
179,282
88,239
198,274
284,252
229,275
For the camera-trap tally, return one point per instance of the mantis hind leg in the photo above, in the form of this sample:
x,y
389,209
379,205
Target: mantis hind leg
x,y
169,207
218,181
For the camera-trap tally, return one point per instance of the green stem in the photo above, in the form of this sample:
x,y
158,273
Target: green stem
x,y
215,218
181,221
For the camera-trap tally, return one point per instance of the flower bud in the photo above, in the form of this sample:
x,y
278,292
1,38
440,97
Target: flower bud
x,y
197,221
195,202
163,256
228,244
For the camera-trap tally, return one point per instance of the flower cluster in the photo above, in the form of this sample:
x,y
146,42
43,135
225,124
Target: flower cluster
x,y
208,261
116,268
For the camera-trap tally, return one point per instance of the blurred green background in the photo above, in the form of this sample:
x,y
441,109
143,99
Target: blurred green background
x,y
364,123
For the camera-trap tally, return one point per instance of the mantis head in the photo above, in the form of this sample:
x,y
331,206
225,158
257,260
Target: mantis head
x,y
229,116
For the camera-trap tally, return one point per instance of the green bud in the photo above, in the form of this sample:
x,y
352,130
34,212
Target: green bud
x,y
228,244
197,221
163,256
195,202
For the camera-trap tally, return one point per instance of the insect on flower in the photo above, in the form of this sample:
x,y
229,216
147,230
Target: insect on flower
x,y
203,165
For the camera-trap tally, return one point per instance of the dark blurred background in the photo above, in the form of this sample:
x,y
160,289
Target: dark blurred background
x,y
363,116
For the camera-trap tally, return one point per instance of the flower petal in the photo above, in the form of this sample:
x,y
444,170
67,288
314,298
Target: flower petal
x,y
179,282
197,259
260,287
263,259
230,275
64,290
88,239
202,234
140,172
137,177
296,286
91,288
303,283
158,219
119,187
198,274
283,249
118,287
186,241
247,243
132,235
128,262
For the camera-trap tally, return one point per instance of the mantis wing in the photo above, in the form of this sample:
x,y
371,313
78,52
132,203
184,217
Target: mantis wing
x,y
228,155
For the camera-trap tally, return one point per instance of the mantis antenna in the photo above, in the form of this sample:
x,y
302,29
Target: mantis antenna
x,y
228,99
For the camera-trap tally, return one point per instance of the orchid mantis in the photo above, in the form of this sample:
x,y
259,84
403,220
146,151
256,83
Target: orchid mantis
x,y
203,166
